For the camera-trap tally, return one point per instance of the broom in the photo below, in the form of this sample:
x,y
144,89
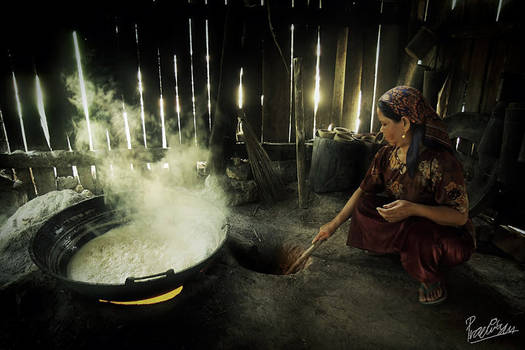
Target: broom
x,y
268,182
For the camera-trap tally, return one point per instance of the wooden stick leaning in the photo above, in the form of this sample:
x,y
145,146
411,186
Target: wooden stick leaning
x,y
303,257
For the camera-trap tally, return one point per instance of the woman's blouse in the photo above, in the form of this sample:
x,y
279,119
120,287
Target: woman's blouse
x,y
438,179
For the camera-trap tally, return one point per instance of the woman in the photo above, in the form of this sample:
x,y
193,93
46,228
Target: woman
x,y
413,199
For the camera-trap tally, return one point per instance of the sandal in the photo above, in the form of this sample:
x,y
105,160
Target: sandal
x,y
428,290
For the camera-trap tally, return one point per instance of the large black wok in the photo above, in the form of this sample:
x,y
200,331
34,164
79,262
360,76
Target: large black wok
x,y
65,233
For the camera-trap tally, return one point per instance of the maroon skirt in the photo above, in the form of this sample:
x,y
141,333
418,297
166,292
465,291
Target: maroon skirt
x,y
426,249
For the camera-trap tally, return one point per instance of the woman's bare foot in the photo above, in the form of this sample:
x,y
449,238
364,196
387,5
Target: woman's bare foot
x,y
432,293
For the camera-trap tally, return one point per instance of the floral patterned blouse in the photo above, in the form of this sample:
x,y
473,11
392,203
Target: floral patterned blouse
x,y
438,179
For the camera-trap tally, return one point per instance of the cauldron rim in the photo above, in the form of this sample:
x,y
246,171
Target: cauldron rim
x,y
129,290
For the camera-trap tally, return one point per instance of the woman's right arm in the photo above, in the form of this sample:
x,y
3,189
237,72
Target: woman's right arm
x,y
328,229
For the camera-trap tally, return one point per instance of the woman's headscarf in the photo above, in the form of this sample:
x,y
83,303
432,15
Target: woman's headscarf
x,y
408,102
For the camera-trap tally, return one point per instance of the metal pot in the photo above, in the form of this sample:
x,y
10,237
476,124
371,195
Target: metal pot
x,y
65,233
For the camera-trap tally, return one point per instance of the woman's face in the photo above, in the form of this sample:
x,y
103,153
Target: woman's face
x,y
392,130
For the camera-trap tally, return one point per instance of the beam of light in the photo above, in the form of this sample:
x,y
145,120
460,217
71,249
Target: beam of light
x,y
453,4
126,125
107,139
161,106
142,115
192,85
262,122
177,101
317,94
141,90
111,172
74,167
4,130
19,110
43,118
240,97
372,112
83,91
357,120
291,81
499,10
42,111
426,11
140,87
208,74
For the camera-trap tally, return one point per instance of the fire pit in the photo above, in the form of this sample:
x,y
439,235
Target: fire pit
x,y
267,254
61,237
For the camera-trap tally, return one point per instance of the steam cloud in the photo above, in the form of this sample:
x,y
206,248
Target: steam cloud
x,y
176,221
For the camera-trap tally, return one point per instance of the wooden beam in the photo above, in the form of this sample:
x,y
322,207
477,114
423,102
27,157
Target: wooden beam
x,y
66,159
300,135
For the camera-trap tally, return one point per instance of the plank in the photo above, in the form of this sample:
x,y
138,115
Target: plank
x,y
353,77
223,130
367,76
252,63
25,175
327,74
44,180
305,42
338,94
477,75
388,62
493,76
276,85
460,76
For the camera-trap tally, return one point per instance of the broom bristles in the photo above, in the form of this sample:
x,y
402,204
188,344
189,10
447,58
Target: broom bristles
x,y
268,182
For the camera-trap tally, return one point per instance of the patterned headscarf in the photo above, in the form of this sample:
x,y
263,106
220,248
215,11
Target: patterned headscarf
x,y
408,102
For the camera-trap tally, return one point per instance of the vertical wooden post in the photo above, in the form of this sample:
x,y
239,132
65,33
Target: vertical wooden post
x,y
300,134
339,78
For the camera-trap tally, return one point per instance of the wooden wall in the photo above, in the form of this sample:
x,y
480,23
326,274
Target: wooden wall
x,y
472,51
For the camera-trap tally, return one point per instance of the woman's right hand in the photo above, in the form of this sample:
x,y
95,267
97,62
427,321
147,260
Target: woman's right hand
x,y
325,232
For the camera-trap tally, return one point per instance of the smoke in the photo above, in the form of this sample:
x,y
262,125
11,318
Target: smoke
x,y
166,199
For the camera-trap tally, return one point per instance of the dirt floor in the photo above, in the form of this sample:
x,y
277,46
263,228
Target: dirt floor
x,y
343,299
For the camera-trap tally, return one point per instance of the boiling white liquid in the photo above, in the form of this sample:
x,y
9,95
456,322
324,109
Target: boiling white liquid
x,y
138,250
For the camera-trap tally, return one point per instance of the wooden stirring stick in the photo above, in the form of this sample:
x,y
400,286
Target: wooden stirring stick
x,y
303,257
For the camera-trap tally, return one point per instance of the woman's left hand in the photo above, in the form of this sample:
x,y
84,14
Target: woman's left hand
x,y
397,210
